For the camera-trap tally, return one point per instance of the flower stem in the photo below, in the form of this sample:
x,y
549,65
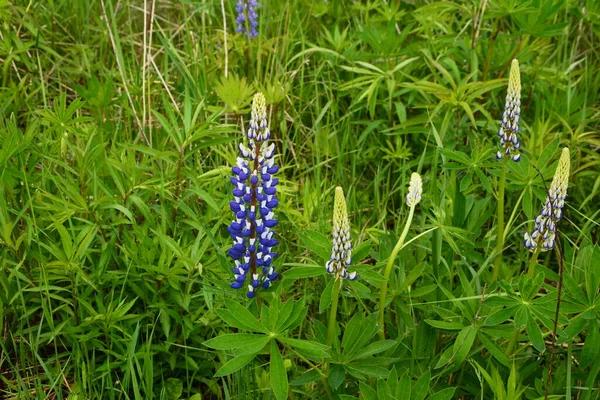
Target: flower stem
x,y
513,342
533,263
337,285
500,224
313,366
515,336
388,270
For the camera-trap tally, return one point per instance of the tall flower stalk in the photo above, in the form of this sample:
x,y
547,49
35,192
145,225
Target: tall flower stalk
x,y
509,143
543,236
247,18
255,198
415,190
341,257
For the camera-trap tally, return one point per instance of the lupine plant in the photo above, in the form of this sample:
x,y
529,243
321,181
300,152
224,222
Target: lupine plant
x,y
247,18
341,256
254,192
509,144
543,236
413,197
129,269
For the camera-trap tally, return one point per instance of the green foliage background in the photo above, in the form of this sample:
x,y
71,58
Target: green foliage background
x,y
120,120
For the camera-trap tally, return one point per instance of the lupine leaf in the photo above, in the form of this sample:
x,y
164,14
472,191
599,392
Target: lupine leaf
x,y
228,317
234,340
361,252
574,327
235,364
574,290
284,314
315,349
317,242
493,349
374,348
358,333
308,377
360,371
367,392
444,394
500,316
326,296
445,358
535,334
271,320
279,379
421,386
591,347
296,318
445,325
403,390
243,316
383,390
173,388
308,271
336,376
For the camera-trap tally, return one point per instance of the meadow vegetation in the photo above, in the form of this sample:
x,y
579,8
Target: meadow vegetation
x,y
121,121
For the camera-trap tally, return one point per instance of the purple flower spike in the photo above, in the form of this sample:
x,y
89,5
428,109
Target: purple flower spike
x,y
246,10
255,198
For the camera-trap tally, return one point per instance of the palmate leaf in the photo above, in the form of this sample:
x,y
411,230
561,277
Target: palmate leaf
x,y
239,317
358,332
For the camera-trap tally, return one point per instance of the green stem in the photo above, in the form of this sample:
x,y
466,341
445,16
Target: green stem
x,y
388,270
515,336
533,263
313,366
500,225
513,342
337,285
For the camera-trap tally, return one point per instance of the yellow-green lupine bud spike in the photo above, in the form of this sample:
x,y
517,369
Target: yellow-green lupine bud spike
x,y
415,190
544,233
509,127
341,252
558,188
514,79
258,122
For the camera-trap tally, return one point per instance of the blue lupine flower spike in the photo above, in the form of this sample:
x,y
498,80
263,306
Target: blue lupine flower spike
x,y
254,193
341,253
509,127
544,233
246,10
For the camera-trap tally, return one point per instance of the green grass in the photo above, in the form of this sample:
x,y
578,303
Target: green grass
x,y
120,122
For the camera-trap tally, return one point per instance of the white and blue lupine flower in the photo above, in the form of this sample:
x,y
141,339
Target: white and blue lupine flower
x,y
415,190
246,10
544,233
509,127
254,192
341,252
